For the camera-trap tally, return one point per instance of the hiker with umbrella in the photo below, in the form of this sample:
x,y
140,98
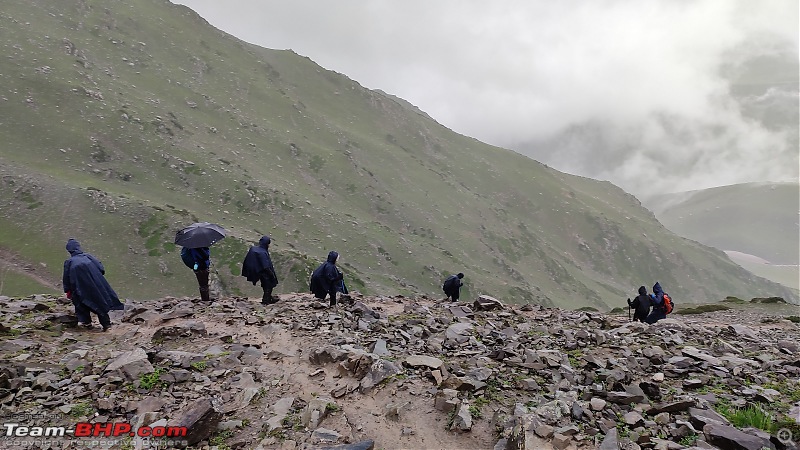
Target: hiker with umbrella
x,y
196,254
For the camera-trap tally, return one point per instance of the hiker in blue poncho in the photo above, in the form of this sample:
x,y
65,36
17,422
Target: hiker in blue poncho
x,y
657,298
257,266
85,284
327,279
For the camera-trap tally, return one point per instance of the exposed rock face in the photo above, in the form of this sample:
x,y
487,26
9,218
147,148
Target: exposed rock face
x,y
403,373
200,420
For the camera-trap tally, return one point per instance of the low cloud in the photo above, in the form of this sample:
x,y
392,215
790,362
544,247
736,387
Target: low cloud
x,y
615,90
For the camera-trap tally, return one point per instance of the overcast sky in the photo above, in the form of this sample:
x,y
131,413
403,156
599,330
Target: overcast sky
x,y
565,81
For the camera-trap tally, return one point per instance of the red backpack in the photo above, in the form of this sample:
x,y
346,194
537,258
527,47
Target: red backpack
x,y
668,305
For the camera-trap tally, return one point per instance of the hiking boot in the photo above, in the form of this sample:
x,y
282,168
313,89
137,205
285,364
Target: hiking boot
x,y
87,326
106,327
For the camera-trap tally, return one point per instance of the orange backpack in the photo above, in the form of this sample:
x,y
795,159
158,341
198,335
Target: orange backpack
x,y
668,305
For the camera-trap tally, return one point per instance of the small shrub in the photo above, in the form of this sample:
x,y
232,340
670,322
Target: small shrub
x,y
219,439
332,407
199,365
731,299
81,410
150,380
795,319
475,411
262,392
688,440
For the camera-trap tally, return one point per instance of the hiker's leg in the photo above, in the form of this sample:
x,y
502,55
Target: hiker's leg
x,y
82,312
202,282
105,321
333,296
267,298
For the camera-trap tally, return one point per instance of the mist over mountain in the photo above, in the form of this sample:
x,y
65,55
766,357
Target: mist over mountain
x,y
124,122
704,93
745,129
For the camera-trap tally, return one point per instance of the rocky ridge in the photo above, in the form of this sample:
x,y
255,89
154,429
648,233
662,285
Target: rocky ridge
x,y
396,372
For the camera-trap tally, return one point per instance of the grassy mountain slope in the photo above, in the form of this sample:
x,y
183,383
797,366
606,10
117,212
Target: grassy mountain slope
x,y
123,122
760,219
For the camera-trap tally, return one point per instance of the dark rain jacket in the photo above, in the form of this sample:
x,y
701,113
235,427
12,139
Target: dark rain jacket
x,y
657,298
641,304
201,256
258,263
451,285
326,277
84,277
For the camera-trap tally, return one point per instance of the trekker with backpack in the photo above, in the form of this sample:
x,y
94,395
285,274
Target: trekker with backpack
x,y
199,260
662,304
452,286
641,305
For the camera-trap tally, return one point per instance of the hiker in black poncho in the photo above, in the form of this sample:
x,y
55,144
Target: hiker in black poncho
x,y
327,279
641,305
452,286
85,284
257,266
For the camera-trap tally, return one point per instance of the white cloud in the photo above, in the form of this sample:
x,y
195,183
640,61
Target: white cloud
x,y
520,71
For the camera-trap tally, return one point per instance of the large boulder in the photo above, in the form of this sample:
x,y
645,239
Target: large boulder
x,y
729,438
200,420
131,365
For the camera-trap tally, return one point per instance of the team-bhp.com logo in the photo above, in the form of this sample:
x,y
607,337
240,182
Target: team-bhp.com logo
x,y
92,434
85,429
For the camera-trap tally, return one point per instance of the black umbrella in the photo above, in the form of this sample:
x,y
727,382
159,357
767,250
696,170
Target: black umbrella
x,y
198,235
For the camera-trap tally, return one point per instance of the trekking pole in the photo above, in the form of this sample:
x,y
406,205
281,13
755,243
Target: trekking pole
x,y
629,310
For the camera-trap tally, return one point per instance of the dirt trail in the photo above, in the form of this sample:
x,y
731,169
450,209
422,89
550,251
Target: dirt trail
x,y
11,262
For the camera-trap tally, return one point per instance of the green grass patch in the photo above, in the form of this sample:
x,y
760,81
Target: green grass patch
x,y
768,300
82,409
700,309
750,416
199,365
153,379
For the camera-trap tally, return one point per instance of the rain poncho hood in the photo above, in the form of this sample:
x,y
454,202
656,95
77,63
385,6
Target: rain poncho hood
x,y
74,247
657,288
332,257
